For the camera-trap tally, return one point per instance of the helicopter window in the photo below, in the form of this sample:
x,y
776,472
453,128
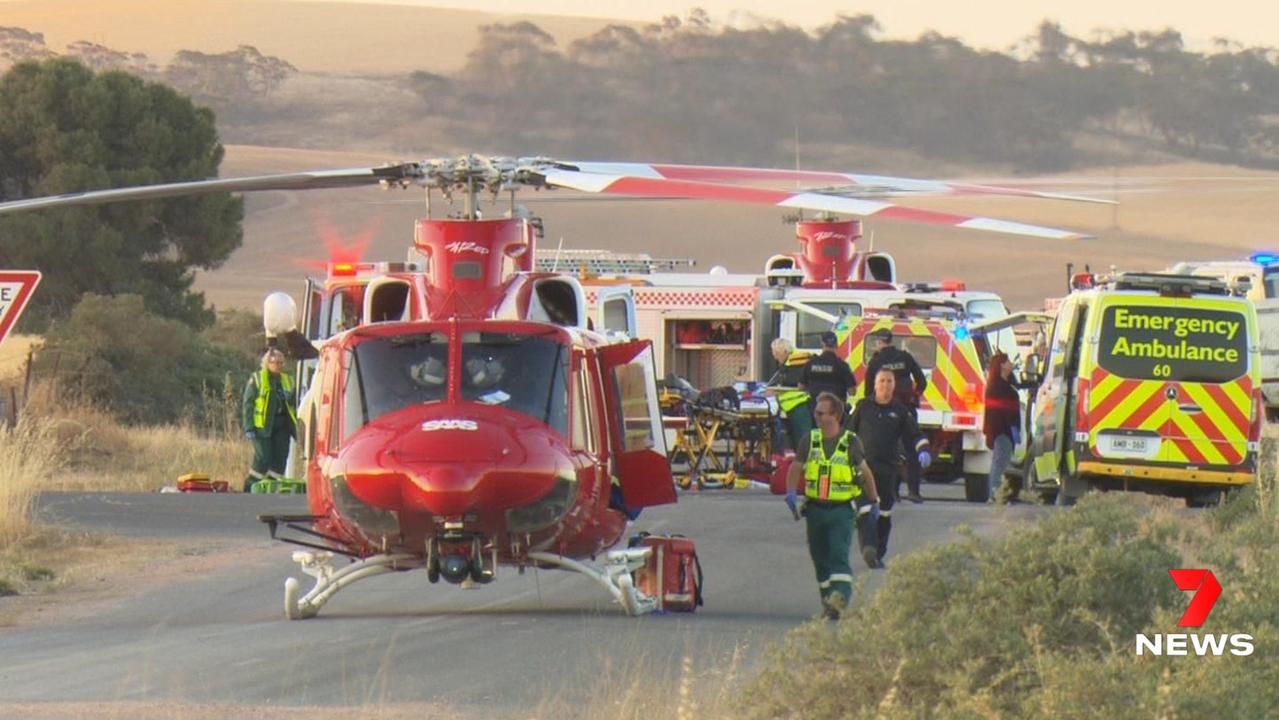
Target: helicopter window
x,y
520,372
390,302
354,410
636,420
399,371
583,438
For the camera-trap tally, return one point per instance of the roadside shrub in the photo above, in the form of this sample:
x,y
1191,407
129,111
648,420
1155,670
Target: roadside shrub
x,y
1042,623
139,366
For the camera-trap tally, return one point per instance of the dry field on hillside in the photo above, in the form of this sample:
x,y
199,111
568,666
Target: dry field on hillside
x,y
1166,213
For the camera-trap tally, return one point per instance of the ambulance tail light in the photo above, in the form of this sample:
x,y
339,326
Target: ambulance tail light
x,y
1083,418
971,396
964,420
1258,415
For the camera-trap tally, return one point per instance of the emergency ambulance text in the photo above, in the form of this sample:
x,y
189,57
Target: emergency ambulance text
x,y
1182,327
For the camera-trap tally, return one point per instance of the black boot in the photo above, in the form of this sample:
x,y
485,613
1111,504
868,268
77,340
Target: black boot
x,y
868,540
885,527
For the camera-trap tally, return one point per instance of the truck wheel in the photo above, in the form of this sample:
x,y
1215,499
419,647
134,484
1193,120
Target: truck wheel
x,y
1071,490
1047,495
1206,499
975,489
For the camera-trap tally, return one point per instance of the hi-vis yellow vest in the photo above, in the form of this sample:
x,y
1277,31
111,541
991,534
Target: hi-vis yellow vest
x,y
263,400
829,479
791,399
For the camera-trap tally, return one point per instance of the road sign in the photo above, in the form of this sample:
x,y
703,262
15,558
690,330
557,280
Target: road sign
x,y
16,287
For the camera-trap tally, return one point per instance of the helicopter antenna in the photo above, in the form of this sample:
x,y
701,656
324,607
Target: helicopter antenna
x,y
801,210
555,266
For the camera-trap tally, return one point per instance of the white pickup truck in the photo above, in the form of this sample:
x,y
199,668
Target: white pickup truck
x,y
1258,278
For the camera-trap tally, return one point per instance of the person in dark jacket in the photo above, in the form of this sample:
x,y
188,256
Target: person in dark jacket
x,y
269,415
909,381
829,372
1002,424
884,425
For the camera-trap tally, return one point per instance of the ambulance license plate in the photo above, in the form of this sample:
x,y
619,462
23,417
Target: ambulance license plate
x,y
1129,446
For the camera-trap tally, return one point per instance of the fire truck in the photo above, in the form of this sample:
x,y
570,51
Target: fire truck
x,y
714,329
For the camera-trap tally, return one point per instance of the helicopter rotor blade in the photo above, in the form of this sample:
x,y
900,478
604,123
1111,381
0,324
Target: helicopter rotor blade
x,y
321,179
878,185
597,182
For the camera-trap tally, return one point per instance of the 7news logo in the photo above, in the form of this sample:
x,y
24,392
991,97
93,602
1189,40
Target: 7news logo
x,y
1206,591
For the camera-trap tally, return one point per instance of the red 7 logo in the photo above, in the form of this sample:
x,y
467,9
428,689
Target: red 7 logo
x,y
1207,590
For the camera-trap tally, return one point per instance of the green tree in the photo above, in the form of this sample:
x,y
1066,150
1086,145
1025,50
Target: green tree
x,y
64,129
142,367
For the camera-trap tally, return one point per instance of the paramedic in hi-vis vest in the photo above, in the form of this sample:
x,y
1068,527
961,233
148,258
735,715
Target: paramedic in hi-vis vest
x,y
790,396
269,417
832,465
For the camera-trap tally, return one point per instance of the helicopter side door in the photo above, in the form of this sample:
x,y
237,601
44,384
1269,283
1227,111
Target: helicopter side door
x,y
635,424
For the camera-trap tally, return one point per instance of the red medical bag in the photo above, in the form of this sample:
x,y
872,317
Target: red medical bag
x,y
674,569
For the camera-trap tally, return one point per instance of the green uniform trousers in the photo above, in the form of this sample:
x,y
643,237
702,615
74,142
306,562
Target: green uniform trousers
x,y
799,423
830,537
270,455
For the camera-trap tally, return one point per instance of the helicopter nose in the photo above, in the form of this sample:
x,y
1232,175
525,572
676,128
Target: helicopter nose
x,y
451,466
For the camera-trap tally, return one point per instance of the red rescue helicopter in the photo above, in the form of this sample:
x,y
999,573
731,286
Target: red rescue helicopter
x,y
462,412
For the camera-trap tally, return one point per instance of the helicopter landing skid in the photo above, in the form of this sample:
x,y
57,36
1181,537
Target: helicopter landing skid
x,y
328,580
615,576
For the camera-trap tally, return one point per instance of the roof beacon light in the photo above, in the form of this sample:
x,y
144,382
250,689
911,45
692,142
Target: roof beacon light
x,y
1264,258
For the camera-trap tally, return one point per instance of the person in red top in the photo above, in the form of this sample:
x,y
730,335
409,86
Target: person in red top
x,y
1002,424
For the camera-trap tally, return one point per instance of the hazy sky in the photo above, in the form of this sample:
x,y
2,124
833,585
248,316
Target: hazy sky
x,y
986,23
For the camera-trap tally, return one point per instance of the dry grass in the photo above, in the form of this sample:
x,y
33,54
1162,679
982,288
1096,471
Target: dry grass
x,y
98,453
29,461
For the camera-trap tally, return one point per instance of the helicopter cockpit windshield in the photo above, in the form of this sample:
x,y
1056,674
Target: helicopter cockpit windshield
x,y
395,372
524,373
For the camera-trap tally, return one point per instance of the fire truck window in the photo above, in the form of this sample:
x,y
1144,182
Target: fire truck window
x,y
519,372
344,311
923,349
1174,344
808,334
396,372
632,395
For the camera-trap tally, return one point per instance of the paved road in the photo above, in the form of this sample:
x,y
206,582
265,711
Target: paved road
x,y
511,645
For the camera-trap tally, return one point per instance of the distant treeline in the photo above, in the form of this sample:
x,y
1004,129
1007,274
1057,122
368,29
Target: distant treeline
x,y
682,89
690,90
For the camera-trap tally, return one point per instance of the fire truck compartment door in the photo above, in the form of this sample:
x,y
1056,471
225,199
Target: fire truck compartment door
x,y
615,310
635,424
